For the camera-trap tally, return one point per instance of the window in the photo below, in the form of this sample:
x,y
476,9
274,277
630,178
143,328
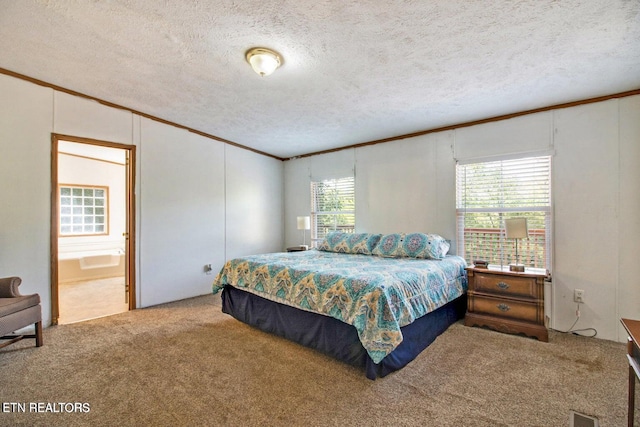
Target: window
x,y
83,210
332,207
490,192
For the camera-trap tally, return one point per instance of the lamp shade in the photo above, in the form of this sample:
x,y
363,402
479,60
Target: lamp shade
x,y
516,228
304,223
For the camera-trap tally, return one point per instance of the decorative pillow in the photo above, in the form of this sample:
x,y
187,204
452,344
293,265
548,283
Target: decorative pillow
x,y
437,247
349,243
412,245
415,245
389,245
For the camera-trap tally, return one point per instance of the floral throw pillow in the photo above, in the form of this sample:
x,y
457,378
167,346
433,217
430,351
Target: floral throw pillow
x,y
349,243
389,246
412,245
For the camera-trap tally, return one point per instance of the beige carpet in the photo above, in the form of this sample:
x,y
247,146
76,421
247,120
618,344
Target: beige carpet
x,y
186,363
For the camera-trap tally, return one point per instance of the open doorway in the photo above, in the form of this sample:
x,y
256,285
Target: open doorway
x,y
92,217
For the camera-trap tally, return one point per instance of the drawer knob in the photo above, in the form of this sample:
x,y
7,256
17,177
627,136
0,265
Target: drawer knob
x,y
503,286
503,307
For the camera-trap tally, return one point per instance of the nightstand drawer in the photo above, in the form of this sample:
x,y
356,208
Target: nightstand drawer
x,y
506,285
500,307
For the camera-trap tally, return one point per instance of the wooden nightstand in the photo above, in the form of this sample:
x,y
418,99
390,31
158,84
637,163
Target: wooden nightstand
x,y
507,301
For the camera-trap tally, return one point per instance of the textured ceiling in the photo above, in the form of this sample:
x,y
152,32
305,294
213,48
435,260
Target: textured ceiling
x,y
354,71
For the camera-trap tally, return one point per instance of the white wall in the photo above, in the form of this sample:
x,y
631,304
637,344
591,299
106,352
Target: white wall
x,y
297,199
409,185
585,184
182,212
26,116
188,193
402,186
628,295
254,203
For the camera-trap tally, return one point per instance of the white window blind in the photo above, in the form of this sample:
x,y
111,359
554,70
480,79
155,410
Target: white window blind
x,y
487,193
332,207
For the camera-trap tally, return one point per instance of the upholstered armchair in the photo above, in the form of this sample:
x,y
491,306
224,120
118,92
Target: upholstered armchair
x,y
18,311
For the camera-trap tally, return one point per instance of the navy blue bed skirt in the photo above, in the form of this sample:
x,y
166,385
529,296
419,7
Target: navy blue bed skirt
x,y
335,338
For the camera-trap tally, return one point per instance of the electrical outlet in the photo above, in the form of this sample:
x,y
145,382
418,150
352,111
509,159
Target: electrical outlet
x,y
208,269
578,296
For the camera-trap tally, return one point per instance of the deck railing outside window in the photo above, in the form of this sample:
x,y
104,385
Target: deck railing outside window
x,y
485,244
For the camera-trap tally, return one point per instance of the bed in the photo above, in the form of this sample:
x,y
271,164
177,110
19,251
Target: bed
x,y
365,299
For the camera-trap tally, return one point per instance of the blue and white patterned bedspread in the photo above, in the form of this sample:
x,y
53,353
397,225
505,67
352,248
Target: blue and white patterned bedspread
x,y
376,295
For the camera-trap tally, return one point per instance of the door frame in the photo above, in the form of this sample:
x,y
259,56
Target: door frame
x,y
130,167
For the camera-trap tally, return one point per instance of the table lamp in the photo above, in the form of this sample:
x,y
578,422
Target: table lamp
x,y
516,228
304,223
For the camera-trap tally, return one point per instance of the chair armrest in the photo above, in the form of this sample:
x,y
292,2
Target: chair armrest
x,y
9,287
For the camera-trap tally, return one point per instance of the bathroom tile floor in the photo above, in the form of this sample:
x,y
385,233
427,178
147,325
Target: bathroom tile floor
x,y
91,299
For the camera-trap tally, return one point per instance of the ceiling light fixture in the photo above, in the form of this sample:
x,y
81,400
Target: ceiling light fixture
x,y
263,61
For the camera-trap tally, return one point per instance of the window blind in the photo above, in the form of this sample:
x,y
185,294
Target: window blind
x,y
489,192
332,207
